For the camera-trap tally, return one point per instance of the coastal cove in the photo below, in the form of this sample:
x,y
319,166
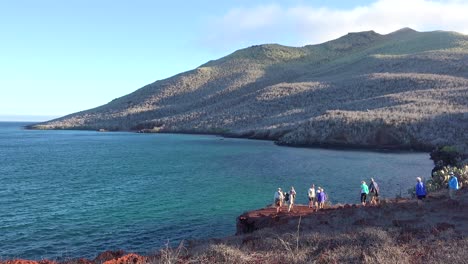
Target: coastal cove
x,y
71,193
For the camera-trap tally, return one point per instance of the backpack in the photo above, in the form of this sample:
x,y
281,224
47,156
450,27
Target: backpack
x,y
286,196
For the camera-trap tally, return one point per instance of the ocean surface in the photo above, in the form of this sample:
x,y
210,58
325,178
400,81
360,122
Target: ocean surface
x,y
66,194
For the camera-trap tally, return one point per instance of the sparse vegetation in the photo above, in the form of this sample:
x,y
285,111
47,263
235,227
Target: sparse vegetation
x,y
406,89
366,245
170,255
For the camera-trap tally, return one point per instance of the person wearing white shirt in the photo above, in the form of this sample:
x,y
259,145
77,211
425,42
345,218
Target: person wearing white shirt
x,y
278,200
292,197
311,195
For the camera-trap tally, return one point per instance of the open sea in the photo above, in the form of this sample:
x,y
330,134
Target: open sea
x,y
67,194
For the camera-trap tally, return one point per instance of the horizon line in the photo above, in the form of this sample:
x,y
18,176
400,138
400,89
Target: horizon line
x,y
27,118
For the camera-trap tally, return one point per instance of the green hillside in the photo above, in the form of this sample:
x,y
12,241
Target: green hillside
x,y
406,89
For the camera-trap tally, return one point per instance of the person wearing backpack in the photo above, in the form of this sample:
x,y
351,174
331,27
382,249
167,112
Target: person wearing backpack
x,y
278,200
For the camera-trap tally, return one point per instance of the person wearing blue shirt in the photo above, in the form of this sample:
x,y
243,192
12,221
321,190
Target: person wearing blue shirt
x,y
453,185
320,198
420,190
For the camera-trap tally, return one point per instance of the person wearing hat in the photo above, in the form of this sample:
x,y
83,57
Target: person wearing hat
x,y
453,185
279,200
420,190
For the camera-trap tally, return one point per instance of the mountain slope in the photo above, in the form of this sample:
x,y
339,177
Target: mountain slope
x,y
406,89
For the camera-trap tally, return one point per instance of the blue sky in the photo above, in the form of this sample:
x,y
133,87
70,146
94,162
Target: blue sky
x,y
59,57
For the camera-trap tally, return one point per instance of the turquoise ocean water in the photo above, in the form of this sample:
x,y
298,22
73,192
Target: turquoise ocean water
x,y
66,194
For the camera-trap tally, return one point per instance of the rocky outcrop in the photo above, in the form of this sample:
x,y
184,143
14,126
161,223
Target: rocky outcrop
x,y
267,217
439,213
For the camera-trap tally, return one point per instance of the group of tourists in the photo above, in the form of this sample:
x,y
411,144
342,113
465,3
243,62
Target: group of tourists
x,y
286,197
372,191
317,196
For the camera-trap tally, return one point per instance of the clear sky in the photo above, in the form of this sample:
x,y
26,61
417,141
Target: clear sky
x,y
59,57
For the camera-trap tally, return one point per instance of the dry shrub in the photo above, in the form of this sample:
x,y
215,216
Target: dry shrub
x,y
449,251
222,253
170,255
342,254
371,245
366,245
386,254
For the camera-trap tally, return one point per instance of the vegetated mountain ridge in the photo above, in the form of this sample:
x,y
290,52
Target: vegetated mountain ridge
x,y
406,89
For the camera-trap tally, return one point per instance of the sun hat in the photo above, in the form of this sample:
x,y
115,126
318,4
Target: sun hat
x,y
418,178
451,173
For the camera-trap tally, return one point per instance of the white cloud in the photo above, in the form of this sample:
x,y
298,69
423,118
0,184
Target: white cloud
x,y
301,25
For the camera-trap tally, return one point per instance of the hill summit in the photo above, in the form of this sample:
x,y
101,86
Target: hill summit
x,y
406,89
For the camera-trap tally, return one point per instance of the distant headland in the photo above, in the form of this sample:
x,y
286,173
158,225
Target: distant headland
x,y
403,90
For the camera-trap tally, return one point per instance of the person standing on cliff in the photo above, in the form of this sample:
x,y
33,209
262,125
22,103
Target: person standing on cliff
x,y
374,191
324,198
364,193
292,197
320,199
311,196
420,190
453,185
278,200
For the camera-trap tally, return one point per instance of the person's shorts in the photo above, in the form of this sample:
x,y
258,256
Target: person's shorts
x,y
420,197
277,202
311,199
363,197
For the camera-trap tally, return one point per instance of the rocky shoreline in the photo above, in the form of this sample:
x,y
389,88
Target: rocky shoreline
x,y
324,145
